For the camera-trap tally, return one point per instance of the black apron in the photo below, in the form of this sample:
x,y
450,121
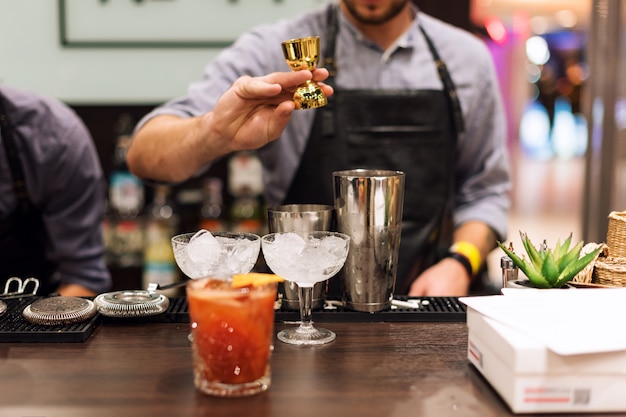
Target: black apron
x,y
22,233
414,131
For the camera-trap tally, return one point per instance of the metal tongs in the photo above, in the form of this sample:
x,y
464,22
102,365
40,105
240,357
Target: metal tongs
x,y
16,288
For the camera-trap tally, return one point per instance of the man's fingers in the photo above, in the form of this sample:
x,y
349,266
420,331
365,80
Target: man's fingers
x,y
249,87
288,79
273,84
320,74
327,89
281,116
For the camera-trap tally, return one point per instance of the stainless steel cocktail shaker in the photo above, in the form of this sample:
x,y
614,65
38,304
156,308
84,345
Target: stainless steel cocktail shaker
x,y
368,206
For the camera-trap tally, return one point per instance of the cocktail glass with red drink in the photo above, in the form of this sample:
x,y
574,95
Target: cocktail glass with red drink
x,y
232,332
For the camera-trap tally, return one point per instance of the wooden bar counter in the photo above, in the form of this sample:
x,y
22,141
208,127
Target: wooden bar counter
x,y
371,369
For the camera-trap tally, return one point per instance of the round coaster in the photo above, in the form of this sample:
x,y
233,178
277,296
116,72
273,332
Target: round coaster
x,y
132,303
59,310
3,307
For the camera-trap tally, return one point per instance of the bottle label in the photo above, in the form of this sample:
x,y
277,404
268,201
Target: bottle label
x,y
126,242
212,225
245,172
248,226
126,193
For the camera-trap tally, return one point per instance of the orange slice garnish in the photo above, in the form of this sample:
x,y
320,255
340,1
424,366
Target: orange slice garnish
x,y
255,279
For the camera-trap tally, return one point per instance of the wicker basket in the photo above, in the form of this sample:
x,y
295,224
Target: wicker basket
x,y
586,276
610,271
616,234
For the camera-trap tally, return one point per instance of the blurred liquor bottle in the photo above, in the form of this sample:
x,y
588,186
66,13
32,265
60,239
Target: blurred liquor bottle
x,y
245,184
125,203
159,265
212,213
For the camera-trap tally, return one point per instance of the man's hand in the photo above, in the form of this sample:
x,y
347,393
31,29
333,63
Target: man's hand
x,y
255,111
74,290
447,278
251,113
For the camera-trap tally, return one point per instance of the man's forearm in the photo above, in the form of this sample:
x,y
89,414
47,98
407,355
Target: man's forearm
x,y
170,148
251,113
74,290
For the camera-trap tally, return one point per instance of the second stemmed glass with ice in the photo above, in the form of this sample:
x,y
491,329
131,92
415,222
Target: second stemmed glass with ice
x,y
305,258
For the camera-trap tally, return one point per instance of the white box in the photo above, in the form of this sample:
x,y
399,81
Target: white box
x,y
531,378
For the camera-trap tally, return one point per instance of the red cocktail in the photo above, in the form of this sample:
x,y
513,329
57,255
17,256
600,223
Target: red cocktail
x,y
232,332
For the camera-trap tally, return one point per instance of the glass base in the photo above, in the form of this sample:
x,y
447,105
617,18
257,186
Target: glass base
x,y
306,336
220,389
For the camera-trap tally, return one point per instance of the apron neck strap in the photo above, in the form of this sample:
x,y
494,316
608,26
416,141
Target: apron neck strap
x,y
332,28
331,34
448,84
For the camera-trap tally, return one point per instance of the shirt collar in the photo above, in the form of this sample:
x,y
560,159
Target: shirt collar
x,y
407,40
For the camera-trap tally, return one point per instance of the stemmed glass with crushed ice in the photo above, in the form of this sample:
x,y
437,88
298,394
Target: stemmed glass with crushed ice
x,y
305,258
218,255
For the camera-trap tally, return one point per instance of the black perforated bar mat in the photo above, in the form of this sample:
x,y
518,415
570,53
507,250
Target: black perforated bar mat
x,y
14,328
431,309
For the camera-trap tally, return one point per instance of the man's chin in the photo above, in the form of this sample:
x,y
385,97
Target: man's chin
x,y
374,12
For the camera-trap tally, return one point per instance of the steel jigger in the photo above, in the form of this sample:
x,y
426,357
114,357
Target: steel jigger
x,y
303,54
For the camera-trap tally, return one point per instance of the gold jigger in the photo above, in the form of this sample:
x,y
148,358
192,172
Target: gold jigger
x,y
303,54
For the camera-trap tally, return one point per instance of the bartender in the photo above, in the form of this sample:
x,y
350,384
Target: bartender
x,y
53,190
411,93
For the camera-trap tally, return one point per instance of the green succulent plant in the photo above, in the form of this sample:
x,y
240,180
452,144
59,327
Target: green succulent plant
x,y
551,268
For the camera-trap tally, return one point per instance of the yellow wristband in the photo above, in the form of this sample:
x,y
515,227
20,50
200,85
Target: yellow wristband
x,y
470,251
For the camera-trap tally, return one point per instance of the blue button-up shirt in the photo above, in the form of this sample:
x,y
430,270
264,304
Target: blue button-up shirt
x,y
64,181
482,171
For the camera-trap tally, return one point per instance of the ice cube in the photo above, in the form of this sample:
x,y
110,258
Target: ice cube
x,y
289,243
333,245
203,247
240,254
243,258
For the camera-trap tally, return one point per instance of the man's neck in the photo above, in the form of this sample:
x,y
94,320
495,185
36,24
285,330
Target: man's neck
x,y
385,34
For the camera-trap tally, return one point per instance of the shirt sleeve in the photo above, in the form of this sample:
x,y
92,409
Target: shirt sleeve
x,y
482,176
72,196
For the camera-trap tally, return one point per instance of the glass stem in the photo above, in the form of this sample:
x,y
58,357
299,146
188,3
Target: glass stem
x,y
305,296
